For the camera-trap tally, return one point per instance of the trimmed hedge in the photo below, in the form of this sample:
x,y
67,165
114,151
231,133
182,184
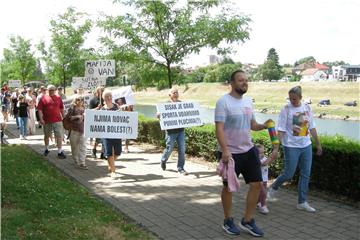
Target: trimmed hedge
x,y
337,170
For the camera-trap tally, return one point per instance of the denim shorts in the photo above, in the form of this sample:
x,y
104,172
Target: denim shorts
x,y
112,146
248,164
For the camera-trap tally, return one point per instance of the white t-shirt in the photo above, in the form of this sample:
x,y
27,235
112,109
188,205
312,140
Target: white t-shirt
x,y
264,170
236,114
296,122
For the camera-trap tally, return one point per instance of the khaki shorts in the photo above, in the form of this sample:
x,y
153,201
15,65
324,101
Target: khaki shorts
x,y
56,127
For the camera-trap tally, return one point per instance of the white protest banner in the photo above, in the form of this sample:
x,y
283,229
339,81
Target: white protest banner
x,y
76,82
125,93
179,115
15,83
111,124
100,68
87,83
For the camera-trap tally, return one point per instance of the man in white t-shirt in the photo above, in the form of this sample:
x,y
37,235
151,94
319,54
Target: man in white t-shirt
x,y
234,118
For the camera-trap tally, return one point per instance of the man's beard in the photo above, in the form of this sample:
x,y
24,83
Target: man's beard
x,y
240,91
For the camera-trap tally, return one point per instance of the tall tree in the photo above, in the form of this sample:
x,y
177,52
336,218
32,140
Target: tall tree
x,y
227,60
309,59
164,32
63,58
271,69
19,61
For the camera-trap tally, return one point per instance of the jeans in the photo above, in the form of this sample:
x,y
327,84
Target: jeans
x,y
294,157
17,118
23,125
170,143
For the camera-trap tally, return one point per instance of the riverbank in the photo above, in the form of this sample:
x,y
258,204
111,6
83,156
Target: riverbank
x,y
269,97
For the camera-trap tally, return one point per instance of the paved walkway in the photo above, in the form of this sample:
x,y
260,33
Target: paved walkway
x,y
188,207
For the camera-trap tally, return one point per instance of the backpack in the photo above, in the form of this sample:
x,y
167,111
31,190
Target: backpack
x,y
66,121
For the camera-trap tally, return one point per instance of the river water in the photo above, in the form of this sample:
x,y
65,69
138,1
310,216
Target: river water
x,y
349,129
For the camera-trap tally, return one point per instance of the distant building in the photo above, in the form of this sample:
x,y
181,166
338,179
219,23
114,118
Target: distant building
x,y
215,59
187,70
301,67
312,74
298,69
249,67
346,73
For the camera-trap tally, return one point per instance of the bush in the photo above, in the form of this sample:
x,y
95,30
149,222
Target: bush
x,y
337,170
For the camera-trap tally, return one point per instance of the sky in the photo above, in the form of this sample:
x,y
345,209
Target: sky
x,y
325,29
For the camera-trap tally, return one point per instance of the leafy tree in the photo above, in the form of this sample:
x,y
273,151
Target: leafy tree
x,y
225,71
227,60
309,59
164,32
212,75
146,74
197,75
64,57
19,61
38,73
271,69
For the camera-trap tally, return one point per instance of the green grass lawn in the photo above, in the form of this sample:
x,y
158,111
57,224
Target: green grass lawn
x,y
269,95
38,202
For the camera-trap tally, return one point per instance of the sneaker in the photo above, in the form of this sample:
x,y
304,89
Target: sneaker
x,y
251,228
61,155
83,166
271,195
24,138
163,165
94,152
183,172
113,175
126,150
306,207
263,209
102,156
46,152
229,227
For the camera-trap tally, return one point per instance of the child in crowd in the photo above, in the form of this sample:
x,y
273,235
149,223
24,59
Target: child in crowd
x,y
265,162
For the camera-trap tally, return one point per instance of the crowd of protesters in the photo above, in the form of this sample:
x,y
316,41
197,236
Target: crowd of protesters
x,y
234,119
44,107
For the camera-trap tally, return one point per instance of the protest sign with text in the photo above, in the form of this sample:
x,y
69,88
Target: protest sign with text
x,y
87,83
15,83
110,124
100,68
179,115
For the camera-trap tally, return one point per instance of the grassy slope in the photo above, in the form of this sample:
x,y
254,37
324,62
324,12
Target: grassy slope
x,y
268,95
38,202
